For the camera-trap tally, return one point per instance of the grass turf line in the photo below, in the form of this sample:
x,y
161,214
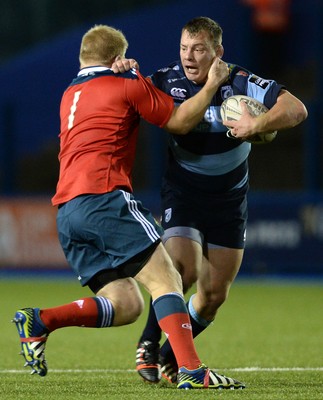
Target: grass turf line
x,y
264,326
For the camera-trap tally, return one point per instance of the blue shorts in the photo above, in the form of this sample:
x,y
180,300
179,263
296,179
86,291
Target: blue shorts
x,y
213,220
106,232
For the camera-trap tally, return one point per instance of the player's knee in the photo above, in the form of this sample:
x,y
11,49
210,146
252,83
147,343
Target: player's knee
x,y
188,275
136,311
215,299
127,309
135,307
175,281
188,280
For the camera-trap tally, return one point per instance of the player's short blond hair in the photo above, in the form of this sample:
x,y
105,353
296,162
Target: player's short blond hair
x,y
101,44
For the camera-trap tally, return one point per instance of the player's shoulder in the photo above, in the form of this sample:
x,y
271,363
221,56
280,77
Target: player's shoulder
x,y
238,71
240,74
132,74
82,78
168,76
242,78
172,71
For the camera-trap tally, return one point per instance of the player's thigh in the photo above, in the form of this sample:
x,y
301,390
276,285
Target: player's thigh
x,y
126,298
219,269
159,276
187,257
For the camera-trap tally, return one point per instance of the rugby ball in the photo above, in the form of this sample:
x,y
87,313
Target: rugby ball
x,y
231,110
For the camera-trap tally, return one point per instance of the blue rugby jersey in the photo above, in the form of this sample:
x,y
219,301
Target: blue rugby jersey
x,y
206,150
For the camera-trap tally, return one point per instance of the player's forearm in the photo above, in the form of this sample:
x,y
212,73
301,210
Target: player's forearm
x,y
285,114
191,112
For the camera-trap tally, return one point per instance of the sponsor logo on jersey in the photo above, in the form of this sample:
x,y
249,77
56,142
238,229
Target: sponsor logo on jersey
x,y
178,93
243,73
263,83
163,69
170,80
226,91
168,214
187,326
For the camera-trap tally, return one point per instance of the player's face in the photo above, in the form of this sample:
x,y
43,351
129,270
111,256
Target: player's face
x,y
197,54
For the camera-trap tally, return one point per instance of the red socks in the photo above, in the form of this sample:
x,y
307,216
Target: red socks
x,y
91,312
173,319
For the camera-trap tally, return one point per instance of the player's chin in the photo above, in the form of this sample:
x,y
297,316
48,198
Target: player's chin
x,y
195,76
189,74
191,71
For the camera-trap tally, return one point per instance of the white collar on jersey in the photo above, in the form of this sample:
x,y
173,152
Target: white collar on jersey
x,y
89,70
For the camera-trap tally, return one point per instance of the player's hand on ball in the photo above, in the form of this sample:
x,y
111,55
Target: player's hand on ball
x,y
124,64
245,127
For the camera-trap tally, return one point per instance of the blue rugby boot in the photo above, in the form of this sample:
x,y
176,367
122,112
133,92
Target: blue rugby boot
x,y
33,335
205,378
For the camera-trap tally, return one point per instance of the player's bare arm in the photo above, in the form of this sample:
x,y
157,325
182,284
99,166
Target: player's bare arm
x,y
285,114
190,113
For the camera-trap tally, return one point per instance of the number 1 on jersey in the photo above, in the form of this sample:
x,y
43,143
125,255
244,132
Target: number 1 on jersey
x,y
73,109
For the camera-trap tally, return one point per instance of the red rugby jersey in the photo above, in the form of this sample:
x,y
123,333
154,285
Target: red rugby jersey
x,y
100,114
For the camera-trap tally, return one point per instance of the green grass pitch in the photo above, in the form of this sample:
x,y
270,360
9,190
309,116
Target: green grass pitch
x,y
269,334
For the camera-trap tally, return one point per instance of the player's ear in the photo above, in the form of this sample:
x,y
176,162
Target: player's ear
x,y
219,50
117,58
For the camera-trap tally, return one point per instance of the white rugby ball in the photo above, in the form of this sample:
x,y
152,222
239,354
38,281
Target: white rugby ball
x,y
231,110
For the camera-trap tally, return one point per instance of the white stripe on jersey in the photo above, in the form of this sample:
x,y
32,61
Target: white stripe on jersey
x,y
148,226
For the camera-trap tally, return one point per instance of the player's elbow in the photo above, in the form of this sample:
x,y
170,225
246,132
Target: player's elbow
x,y
295,108
298,113
301,113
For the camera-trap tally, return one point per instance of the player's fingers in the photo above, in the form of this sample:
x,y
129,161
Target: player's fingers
x,y
118,67
133,63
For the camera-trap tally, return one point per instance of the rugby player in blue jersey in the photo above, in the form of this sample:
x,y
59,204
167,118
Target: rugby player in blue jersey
x,y
205,186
